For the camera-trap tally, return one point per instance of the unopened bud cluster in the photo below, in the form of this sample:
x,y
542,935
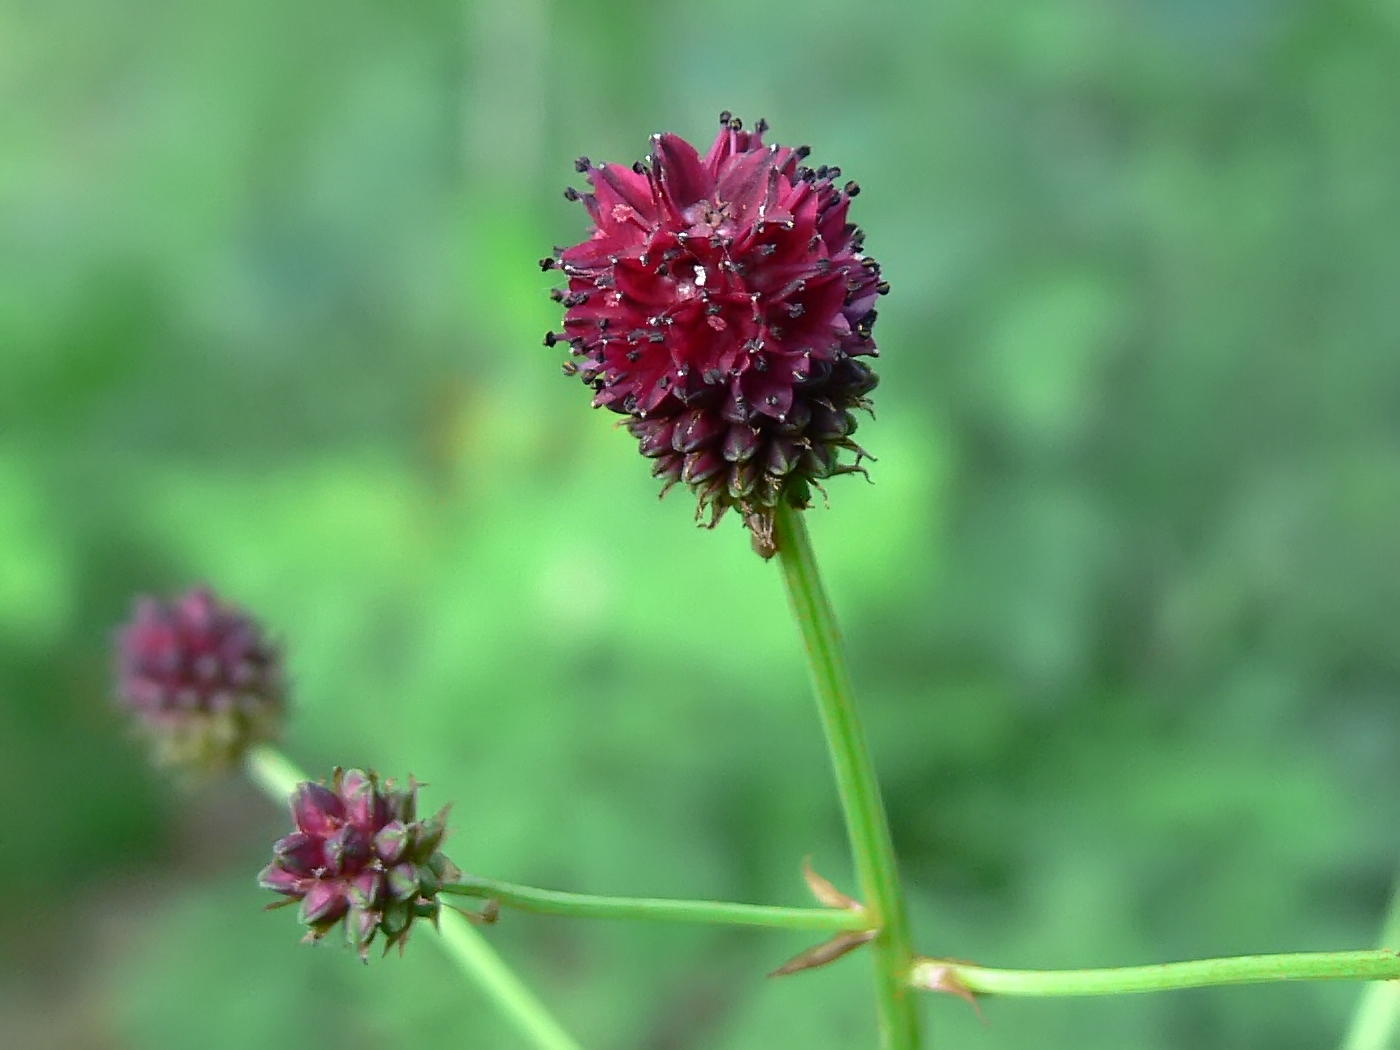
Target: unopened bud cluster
x,y
360,855
202,679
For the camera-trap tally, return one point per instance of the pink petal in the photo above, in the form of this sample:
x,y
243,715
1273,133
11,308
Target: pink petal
x,y
324,902
684,180
317,809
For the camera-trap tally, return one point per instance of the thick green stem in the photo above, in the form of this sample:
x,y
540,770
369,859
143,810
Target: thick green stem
x,y
585,906
866,823
272,771
278,777
950,976
1373,1025
475,957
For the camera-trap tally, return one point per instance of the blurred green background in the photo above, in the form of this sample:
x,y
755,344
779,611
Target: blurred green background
x,y
1123,603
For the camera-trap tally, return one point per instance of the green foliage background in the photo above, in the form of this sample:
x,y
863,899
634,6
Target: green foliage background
x,y
1121,603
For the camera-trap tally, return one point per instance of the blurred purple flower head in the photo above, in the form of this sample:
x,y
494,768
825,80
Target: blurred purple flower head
x,y
722,304
360,855
201,678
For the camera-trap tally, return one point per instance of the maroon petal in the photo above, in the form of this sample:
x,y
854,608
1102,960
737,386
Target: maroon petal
x,y
403,882
745,184
701,467
299,852
324,902
741,442
278,879
696,429
392,842
366,889
317,809
360,927
361,799
833,224
618,185
347,850
684,180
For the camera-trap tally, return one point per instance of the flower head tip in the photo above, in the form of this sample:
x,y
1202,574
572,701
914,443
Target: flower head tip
x,y
360,855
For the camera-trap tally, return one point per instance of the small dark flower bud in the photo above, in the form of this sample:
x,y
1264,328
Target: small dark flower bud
x,y
392,841
427,836
403,882
202,679
741,442
358,854
745,298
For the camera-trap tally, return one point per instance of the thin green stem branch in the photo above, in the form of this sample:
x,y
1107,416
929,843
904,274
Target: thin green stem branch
x,y
1373,1024
866,822
585,906
949,975
278,777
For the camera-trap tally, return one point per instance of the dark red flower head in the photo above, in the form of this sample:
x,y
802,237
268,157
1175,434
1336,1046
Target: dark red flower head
x,y
359,854
201,677
723,304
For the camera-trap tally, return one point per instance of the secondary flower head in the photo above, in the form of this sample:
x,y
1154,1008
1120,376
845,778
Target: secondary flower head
x,y
360,855
723,304
201,678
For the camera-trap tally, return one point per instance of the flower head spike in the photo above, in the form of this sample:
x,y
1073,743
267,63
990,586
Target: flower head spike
x,y
359,854
202,679
722,304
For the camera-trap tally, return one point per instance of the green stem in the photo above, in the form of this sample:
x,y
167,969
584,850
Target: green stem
x,y
866,823
949,975
584,906
1373,1024
475,957
278,777
272,771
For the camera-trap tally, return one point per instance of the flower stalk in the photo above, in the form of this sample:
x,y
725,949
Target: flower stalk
x,y
961,977
585,906
1373,1024
866,822
475,957
279,778
273,772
